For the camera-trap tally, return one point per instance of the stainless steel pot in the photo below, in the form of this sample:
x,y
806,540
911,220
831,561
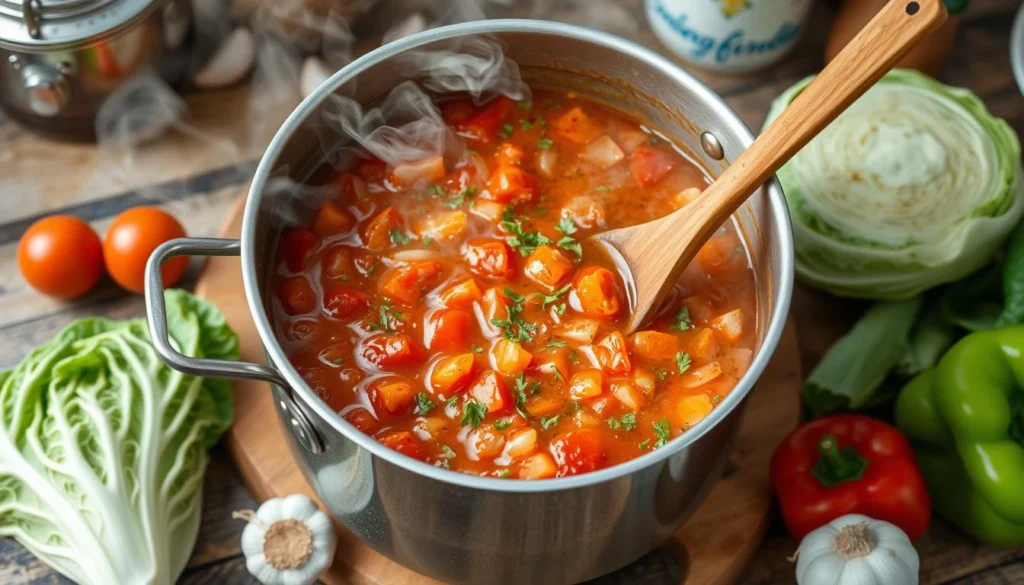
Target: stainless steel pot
x,y
467,529
59,59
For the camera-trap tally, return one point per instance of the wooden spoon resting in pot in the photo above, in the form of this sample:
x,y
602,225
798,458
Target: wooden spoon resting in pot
x,y
653,255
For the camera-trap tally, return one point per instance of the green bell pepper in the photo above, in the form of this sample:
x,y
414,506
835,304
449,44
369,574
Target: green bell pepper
x,y
965,419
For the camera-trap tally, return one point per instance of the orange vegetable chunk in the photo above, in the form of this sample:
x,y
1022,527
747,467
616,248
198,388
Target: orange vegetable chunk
x,y
612,354
547,266
509,357
598,292
577,126
655,346
452,373
585,384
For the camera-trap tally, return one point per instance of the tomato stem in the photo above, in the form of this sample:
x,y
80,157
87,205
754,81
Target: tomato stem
x,y
836,465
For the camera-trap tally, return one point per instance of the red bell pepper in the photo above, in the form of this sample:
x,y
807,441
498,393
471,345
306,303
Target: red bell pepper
x,y
848,464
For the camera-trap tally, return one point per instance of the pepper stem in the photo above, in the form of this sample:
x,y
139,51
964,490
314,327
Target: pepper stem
x,y
837,465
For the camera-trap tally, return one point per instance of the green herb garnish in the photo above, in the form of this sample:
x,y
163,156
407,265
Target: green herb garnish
x,y
604,188
427,240
448,451
545,143
524,105
629,421
504,473
398,238
387,318
460,198
525,242
506,131
644,444
553,343
682,362
502,424
477,348
663,431
568,227
683,321
436,190
515,328
526,125
423,403
454,400
547,422
473,413
554,297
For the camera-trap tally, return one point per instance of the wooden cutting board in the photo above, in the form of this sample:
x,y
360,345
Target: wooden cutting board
x,y
713,548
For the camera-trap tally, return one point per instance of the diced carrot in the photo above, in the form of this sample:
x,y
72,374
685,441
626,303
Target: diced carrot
x,y
649,164
729,325
361,419
431,427
547,266
297,246
403,442
510,154
495,305
611,353
491,390
645,380
421,171
332,219
703,346
702,375
720,255
577,126
342,302
337,263
598,292
537,466
484,443
462,295
377,234
578,452
585,383
442,225
655,346
509,358
392,394
585,211
521,442
538,406
406,284
388,351
628,394
510,184
452,373
448,329
554,364
489,257
690,410
489,210
296,295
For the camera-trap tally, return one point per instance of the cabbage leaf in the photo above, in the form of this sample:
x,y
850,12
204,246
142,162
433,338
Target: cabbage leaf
x,y
103,447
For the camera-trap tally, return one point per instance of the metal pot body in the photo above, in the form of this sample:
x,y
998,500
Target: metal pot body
x,y
466,529
57,89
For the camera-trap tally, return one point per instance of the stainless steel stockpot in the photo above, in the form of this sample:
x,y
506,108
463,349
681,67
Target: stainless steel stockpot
x,y
462,528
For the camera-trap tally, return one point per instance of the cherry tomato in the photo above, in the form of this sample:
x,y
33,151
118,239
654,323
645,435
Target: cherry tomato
x,y
61,256
130,241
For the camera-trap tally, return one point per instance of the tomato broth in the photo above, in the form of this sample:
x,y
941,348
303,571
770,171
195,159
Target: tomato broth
x,y
454,310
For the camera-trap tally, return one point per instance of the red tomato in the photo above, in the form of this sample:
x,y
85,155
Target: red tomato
x,y
489,257
131,239
337,263
332,219
448,329
296,295
578,452
342,302
484,124
391,350
297,247
361,419
511,184
405,443
649,165
60,256
372,171
407,284
378,232
491,390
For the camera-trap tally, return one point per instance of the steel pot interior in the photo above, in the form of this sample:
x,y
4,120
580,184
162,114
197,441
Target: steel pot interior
x,y
616,72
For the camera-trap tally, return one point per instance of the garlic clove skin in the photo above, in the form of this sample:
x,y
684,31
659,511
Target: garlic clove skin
x,y
314,72
231,61
297,564
883,554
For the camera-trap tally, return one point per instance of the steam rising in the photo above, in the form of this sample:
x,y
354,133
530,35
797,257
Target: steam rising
x,y
477,66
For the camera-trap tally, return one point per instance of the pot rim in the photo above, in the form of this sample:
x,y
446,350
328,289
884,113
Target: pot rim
x,y
779,215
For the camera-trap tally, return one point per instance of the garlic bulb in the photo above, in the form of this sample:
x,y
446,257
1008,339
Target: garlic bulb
x,y
857,550
230,63
288,541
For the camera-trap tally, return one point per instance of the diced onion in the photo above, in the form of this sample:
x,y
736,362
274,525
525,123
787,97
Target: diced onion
x,y
546,161
403,256
603,151
703,375
428,169
581,330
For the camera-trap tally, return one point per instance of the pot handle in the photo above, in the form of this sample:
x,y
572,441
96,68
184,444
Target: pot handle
x,y
156,314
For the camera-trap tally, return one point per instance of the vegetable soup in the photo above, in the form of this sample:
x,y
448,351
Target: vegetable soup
x,y
453,309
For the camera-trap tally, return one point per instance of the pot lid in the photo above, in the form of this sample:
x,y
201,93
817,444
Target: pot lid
x,y
29,25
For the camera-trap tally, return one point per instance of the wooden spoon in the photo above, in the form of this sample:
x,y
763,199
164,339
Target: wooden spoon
x,y
653,255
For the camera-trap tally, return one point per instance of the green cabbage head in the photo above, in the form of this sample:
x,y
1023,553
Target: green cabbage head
x,y
103,447
915,185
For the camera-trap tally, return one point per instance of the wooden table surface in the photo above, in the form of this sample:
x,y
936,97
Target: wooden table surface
x,y
198,177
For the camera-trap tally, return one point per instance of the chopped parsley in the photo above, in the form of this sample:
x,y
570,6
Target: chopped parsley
x,y
663,431
436,190
477,348
515,328
452,401
525,242
545,143
604,188
546,422
387,318
573,357
398,238
613,423
553,343
716,399
558,376
662,374
423,403
522,386
427,240
473,413
448,451
524,105
460,198
526,125
502,423
568,227
683,321
504,473
682,362
553,299
644,444
506,131
627,422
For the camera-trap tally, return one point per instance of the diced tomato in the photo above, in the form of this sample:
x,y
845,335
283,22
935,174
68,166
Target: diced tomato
x,y
365,262
301,330
372,171
612,354
690,410
655,346
577,126
337,263
649,164
547,266
452,373
491,390
377,234
296,295
482,125
421,171
361,419
510,154
456,111
442,225
538,406
628,394
317,380
598,292
511,184
584,211
297,247
489,257
703,346
553,364
462,294
388,351
407,284
578,452
729,325
509,358
537,466
332,220
405,443
585,383
392,394
342,302
448,329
